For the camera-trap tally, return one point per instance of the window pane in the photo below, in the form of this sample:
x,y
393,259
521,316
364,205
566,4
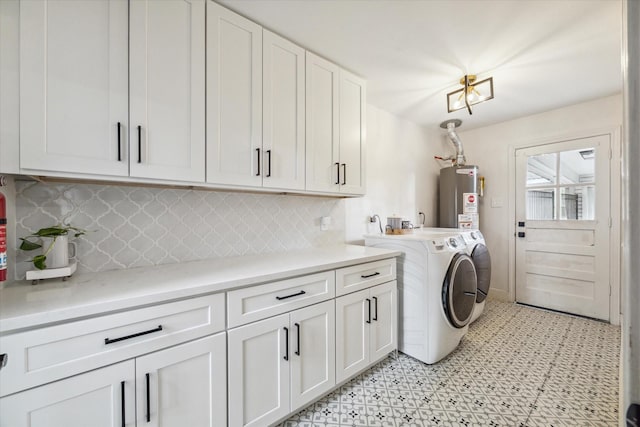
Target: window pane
x,y
577,166
540,204
541,169
578,202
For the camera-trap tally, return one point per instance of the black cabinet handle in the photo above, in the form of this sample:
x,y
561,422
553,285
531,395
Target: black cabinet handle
x,y
344,173
148,400
366,276
297,352
268,163
369,311
119,149
122,410
291,296
4,358
138,334
375,308
286,343
521,234
338,169
258,153
139,144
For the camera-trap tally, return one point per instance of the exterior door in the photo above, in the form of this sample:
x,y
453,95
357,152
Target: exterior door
x,y
74,86
184,385
563,217
258,357
93,399
352,334
167,71
313,352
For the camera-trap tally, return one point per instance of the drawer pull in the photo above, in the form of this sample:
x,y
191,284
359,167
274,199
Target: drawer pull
x,y
366,276
291,296
4,358
139,334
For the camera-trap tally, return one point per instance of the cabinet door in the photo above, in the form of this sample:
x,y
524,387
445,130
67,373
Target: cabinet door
x,y
352,133
258,360
283,113
184,385
74,86
384,324
313,367
322,156
167,69
352,334
234,98
93,399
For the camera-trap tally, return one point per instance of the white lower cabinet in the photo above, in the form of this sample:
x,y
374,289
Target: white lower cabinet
x,y
366,328
100,398
186,386
279,364
183,385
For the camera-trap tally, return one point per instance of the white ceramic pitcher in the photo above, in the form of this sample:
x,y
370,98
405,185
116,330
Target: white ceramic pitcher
x,y
59,255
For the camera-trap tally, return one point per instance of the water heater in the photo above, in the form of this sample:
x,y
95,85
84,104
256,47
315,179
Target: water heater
x,y
459,197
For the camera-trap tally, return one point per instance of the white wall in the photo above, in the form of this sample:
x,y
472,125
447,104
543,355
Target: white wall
x,y
488,147
401,174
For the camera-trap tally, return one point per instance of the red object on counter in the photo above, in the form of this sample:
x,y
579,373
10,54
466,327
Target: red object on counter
x,y
3,238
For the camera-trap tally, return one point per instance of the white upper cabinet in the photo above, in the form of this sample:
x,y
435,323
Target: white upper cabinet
x,y
74,86
86,67
234,98
283,136
352,133
322,159
167,99
335,128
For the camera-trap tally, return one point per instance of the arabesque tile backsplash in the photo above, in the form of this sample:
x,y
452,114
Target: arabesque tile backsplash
x,y
142,226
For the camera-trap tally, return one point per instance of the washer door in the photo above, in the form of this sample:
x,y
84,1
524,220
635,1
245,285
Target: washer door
x,y
482,262
459,290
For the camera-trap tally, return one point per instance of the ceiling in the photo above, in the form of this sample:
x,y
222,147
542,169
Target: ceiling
x,y
542,54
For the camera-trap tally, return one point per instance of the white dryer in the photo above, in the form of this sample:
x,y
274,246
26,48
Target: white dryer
x,y
479,253
436,288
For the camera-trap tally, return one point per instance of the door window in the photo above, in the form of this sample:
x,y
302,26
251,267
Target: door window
x,y
561,186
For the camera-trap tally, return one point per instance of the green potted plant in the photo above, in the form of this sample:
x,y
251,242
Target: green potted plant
x,y
50,234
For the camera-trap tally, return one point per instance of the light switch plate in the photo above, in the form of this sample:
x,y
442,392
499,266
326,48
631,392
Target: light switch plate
x,y
497,202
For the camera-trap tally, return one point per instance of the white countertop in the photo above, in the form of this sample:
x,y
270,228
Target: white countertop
x,y
23,305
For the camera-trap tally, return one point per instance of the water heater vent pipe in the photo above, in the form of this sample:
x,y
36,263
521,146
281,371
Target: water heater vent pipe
x,y
450,126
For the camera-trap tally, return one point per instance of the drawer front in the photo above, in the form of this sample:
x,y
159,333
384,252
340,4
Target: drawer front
x,y
362,276
46,354
262,301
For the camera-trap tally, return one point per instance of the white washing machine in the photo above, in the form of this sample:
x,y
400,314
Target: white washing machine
x,y
479,253
436,289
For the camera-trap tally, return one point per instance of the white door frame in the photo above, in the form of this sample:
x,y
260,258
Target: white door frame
x,y
615,237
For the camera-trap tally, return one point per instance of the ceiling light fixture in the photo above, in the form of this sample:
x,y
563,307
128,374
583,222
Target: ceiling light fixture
x,y
472,93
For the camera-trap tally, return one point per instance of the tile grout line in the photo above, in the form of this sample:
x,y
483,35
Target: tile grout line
x,y
552,364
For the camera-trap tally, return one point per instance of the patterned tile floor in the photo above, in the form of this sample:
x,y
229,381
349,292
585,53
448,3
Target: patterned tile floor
x,y
517,366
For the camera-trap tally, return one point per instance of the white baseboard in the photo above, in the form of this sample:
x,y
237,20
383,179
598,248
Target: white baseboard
x,y
499,294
